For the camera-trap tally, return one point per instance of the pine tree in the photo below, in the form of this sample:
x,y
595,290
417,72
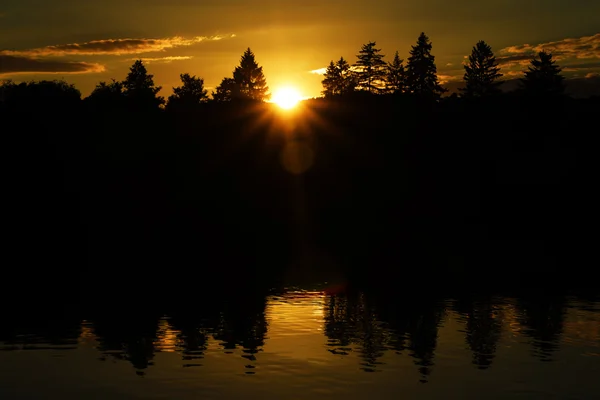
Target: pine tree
x,y
331,81
421,72
250,79
482,72
543,77
189,95
370,68
139,88
395,75
338,79
348,78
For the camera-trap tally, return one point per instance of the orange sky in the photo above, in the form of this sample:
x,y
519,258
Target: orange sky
x,y
86,42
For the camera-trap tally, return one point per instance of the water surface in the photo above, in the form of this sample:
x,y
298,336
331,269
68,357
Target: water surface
x,y
309,344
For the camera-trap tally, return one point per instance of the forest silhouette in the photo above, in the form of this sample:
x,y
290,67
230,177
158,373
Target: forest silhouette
x,y
384,180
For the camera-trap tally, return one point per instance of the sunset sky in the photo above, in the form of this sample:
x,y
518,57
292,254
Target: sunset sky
x,y
88,41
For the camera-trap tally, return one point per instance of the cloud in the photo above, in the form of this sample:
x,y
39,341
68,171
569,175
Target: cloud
x,y
576,52
319,71
585,47
114,47
164,60
449,78
23,65
323,71
574,55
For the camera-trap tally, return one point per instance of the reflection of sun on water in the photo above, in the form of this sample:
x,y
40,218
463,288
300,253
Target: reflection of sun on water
x,y
286,98
296,322
166,338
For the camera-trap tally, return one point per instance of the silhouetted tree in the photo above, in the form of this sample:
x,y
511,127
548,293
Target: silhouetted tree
x,y
338,79
543,77
482,72
189,95
6,86
43,95
226,91
107,95
395,75
250,79
330,80
370,68
140,90
421,72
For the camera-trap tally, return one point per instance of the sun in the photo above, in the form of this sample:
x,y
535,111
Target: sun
x,y
286,97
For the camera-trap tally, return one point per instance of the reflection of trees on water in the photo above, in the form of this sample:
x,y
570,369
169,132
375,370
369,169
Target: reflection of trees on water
x,y
191,339
413,325
50,331
243,324
543,318
483,319
351,320
370,325
234,323
128,337
422,335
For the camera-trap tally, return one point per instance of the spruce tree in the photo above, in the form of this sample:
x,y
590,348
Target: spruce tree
x,y
370,68
395,76
482,72
249,78
139,88
347,76
543,77
331,81
421,72
338,79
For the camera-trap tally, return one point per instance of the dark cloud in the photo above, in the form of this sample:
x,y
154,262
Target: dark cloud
x,y
24,65
113,46
585,47
582,47
588,65
514,58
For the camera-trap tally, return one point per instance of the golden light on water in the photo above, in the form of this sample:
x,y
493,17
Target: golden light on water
x,y
296,324
286,97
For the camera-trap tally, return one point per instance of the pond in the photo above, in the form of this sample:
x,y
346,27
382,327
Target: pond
x,y
322,342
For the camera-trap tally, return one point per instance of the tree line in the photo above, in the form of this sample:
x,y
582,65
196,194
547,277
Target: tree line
x,y
370,73
138,92
418,77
